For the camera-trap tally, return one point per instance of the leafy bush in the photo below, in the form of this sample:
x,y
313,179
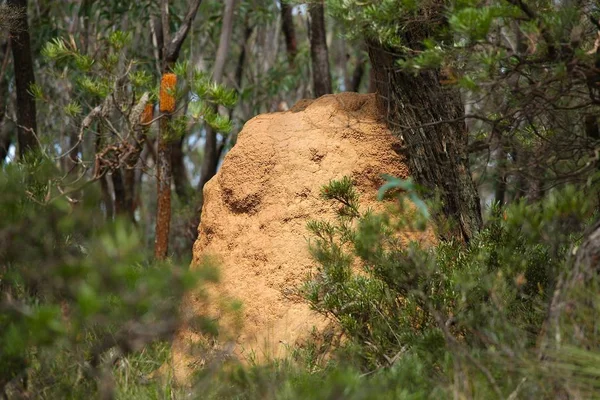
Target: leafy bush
x,y
77,293
481,305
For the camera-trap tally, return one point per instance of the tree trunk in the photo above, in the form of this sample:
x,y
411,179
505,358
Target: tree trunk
x,y
5,134
211,153
100,171
289,32
180,178
429,119
163,178
357,76
5,141
500,155
24,78
171,47
318,49
118,182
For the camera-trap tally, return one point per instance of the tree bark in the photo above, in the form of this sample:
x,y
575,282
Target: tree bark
x,y
500,155
289,31
171,46
24,78
180,178
211,154
118,182
318,49
5,134
429,119
163,178
357,76
107,201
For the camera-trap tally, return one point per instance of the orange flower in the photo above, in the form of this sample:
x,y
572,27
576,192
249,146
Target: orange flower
x,y
167,89
147,114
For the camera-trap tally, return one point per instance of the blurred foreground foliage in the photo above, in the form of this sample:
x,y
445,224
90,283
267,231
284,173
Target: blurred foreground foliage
x,y
77,293
85,312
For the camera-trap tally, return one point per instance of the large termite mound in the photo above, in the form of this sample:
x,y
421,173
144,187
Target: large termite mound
x,y
256,210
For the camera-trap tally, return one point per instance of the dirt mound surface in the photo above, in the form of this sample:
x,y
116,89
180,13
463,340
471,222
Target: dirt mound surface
x,y
257,207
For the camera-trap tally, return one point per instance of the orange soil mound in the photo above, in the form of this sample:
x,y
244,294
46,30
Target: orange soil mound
x,y
257,206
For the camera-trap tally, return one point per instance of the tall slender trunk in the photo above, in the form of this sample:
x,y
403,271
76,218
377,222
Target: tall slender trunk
x,y
289,31
416,107
106,201
500,155
120,193
24,78
192,226
211,154
180,178
318,49
357,75
163,166
171,46
5,134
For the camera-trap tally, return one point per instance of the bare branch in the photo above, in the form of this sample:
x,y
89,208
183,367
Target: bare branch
x,y
174,45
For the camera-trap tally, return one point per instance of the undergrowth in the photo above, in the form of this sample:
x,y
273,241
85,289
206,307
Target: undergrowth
x,y
418,320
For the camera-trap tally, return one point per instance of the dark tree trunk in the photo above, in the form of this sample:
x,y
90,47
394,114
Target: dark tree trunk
x,y
239,68
416,107
180,178
372,83
500,155
318,49
211,150
289,32
24,78
129,171
357,76
5,142
120,193
5,134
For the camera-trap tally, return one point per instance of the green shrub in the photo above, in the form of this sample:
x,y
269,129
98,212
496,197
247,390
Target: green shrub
x,y
77,293
482,305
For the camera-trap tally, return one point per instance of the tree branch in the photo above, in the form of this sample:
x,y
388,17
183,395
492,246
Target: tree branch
x,y
164,21
174,45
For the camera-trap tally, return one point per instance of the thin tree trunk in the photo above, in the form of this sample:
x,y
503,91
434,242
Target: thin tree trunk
x,y
416,107
211,154
24,78
120,192
171,46
500,155
192,226
180,178
5,142
318,49
163,177
5,134
105,190
289,31
239,69
357,76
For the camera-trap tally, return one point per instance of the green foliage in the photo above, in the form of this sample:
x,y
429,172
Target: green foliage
x,y
477,305
76,291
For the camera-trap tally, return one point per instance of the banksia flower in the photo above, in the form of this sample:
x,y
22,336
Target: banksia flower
x,y
147,114
167,90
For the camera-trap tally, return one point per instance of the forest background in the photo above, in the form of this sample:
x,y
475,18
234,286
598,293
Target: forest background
x,y
114,115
